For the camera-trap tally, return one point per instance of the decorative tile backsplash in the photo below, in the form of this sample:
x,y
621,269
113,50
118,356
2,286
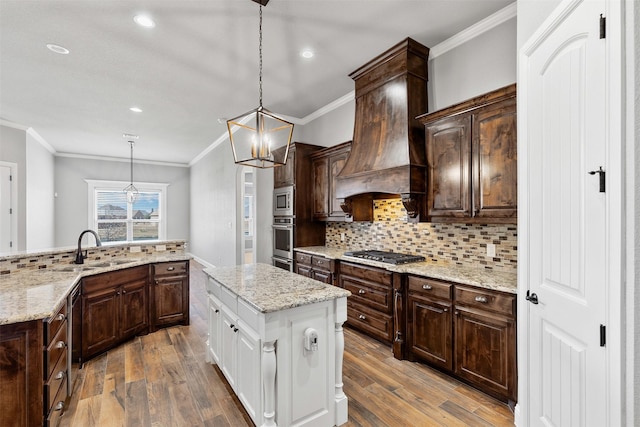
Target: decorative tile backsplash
x,y
35,261
463,244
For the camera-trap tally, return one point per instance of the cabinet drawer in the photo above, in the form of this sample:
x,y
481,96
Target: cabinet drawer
x,y
303,258
58,406
170,268
321,263
429,287
375,323
114,278
54,351
373,274
52,385
52,324
486,299
368,293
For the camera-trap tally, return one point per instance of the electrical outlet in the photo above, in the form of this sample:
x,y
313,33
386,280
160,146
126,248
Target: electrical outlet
x,y
161,248
342,237
135,249
491,250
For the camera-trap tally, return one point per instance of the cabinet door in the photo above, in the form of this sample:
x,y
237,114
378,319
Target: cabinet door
x,y
170,300
430,329
284,175
495,161
249,373
320,168
215,323
336,163
449,159
485,352
228,347
101,321
134,308
323,276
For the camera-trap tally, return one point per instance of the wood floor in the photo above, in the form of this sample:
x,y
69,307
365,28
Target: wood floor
x,y
162,379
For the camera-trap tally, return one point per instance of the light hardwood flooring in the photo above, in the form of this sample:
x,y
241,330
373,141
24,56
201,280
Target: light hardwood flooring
x,y
162,379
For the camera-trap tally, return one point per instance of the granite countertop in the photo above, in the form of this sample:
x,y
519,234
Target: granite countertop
x,y
269,289
33,295
442,269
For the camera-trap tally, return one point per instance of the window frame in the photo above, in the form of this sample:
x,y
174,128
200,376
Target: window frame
x,y
94,185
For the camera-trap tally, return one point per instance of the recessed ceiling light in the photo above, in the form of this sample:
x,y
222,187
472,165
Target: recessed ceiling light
x,y
144,21
307,53
58,49
135,109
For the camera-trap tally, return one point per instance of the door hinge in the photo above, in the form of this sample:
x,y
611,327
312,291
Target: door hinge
x,y
10,211
603,178
603,27
603,335
10,177
11,244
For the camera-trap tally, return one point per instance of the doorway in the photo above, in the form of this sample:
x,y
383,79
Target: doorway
x,y
8,206
248,215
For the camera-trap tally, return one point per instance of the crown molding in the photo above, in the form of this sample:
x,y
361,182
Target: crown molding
x,y
120,159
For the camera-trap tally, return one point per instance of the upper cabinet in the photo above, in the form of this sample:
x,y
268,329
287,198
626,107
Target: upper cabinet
x,y
284,175
326,165
471,152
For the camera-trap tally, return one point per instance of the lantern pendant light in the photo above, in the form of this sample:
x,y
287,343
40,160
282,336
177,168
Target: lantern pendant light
x,y
255,134
130,190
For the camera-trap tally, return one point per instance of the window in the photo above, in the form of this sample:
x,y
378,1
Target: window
x,y
115,220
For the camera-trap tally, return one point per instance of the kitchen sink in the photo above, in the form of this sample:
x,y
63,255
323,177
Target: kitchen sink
x,y
91,265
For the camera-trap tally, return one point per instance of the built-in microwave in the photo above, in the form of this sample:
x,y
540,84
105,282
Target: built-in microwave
x,y
283,201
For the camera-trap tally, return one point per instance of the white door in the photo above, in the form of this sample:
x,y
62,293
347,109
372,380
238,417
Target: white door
x,y
566,265
6,210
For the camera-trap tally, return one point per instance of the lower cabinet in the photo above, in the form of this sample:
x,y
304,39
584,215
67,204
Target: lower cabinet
x,y
467,331
115,307
170,294
315,267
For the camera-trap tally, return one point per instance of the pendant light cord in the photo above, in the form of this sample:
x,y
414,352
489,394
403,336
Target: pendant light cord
x,y
260,51
131,143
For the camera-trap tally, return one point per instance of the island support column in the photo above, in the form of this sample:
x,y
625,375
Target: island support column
x,y
269,364
341,401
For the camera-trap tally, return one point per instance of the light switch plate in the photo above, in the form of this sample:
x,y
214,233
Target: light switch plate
x,y
161,248
491,250
135,249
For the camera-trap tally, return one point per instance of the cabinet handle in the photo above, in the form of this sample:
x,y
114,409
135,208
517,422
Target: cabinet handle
x,y
445,309
235,329
59,406
362,317
118,293
60,375
60,344
170,268
481,299
427,287
232,326
362,291
124,291
217,311
60,317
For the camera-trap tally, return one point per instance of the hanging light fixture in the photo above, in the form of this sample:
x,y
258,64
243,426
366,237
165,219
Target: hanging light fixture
x,y
130,190
256,133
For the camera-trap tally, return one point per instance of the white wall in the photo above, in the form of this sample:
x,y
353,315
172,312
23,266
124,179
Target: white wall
x,y
332,128
71,204
40,211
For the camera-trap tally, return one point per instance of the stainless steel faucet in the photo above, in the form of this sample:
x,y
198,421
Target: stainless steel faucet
x,y
79,257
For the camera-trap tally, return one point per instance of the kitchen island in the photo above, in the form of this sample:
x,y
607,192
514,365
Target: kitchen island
x,y
277,338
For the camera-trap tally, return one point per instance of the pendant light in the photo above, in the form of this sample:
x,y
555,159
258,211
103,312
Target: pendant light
x,y
130,190
255,134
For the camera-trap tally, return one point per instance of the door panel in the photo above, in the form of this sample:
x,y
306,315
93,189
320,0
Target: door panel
x,y
565,106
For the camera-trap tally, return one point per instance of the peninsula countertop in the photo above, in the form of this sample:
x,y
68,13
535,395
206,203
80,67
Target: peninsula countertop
x,y
441,269
269,289
33,295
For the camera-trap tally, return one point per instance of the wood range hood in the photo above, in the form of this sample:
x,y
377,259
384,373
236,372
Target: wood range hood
x,y
388,150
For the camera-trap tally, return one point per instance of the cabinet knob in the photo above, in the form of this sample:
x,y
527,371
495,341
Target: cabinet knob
x,y
60,317
481,299
59,406
235,329
362,317
362,291
445,309
60,344
217,311
427,287
170,268
124,291
232,326
60,375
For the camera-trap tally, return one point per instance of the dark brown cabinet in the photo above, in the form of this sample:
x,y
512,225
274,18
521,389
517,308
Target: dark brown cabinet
x,y
284,175
326,165
430,321
170,294
370,306
315,267
472,160
485,335
115,307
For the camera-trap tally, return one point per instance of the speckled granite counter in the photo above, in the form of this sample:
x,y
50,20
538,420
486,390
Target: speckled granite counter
x,y
444,270
33,295
270,289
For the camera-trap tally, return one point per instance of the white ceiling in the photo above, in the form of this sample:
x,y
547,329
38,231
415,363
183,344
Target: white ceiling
x,y
199,64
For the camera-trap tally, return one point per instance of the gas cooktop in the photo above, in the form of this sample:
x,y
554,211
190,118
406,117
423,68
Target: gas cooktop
x,y
388,257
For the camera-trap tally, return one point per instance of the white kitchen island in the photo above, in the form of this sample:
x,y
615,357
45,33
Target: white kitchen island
x,y
277,338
